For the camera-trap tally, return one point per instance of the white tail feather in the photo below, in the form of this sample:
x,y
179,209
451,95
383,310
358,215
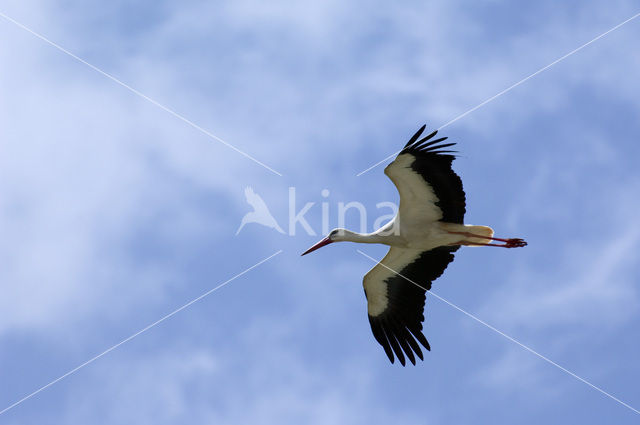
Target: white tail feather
x,y
484,233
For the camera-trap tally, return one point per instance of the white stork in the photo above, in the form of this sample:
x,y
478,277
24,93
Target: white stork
x,y
423,236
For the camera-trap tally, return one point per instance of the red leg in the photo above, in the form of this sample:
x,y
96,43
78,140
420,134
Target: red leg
x,y
508,243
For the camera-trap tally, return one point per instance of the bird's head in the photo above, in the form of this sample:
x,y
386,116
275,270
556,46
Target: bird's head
x,y
336,235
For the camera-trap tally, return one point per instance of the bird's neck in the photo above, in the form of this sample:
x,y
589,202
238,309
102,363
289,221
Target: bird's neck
x,y
349,236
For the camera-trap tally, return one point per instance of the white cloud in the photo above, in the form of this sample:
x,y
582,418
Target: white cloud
x,y
263,380
590,278
86,164
517,371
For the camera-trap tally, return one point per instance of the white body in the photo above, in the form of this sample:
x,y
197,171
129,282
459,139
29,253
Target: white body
x,y
419,236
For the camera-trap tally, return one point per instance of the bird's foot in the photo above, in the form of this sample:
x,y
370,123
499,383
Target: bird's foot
x,y
515,243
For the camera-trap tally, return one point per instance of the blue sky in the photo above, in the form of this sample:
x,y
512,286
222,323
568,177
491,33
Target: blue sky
x,y
114,213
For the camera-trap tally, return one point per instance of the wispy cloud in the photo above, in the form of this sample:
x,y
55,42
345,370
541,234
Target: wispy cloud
x,y
110,211
258,383
591,275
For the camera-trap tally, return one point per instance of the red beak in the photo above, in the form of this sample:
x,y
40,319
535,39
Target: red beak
x,y
325,241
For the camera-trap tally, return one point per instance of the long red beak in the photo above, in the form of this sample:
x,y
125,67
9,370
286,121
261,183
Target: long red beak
x,y
325,241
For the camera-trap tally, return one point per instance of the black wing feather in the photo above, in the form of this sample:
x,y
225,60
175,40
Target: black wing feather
x,y
399,326
388,328
412,342
381,337
415,136
434,165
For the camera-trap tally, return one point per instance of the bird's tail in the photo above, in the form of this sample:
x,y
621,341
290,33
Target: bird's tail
x,y
241,225
484,234
277,227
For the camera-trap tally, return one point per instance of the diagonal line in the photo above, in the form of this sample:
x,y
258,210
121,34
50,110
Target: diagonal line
x,y
480,105
131,89
72,371
532,351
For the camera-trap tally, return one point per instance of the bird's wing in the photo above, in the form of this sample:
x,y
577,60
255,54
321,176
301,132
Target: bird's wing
x,y
429,189
395,290
255,200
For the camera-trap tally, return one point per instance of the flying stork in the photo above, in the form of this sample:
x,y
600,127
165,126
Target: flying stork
x,y
423,236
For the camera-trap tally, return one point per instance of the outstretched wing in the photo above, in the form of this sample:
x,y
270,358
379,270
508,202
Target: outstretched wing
x,y
429,189
255,201
395,290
